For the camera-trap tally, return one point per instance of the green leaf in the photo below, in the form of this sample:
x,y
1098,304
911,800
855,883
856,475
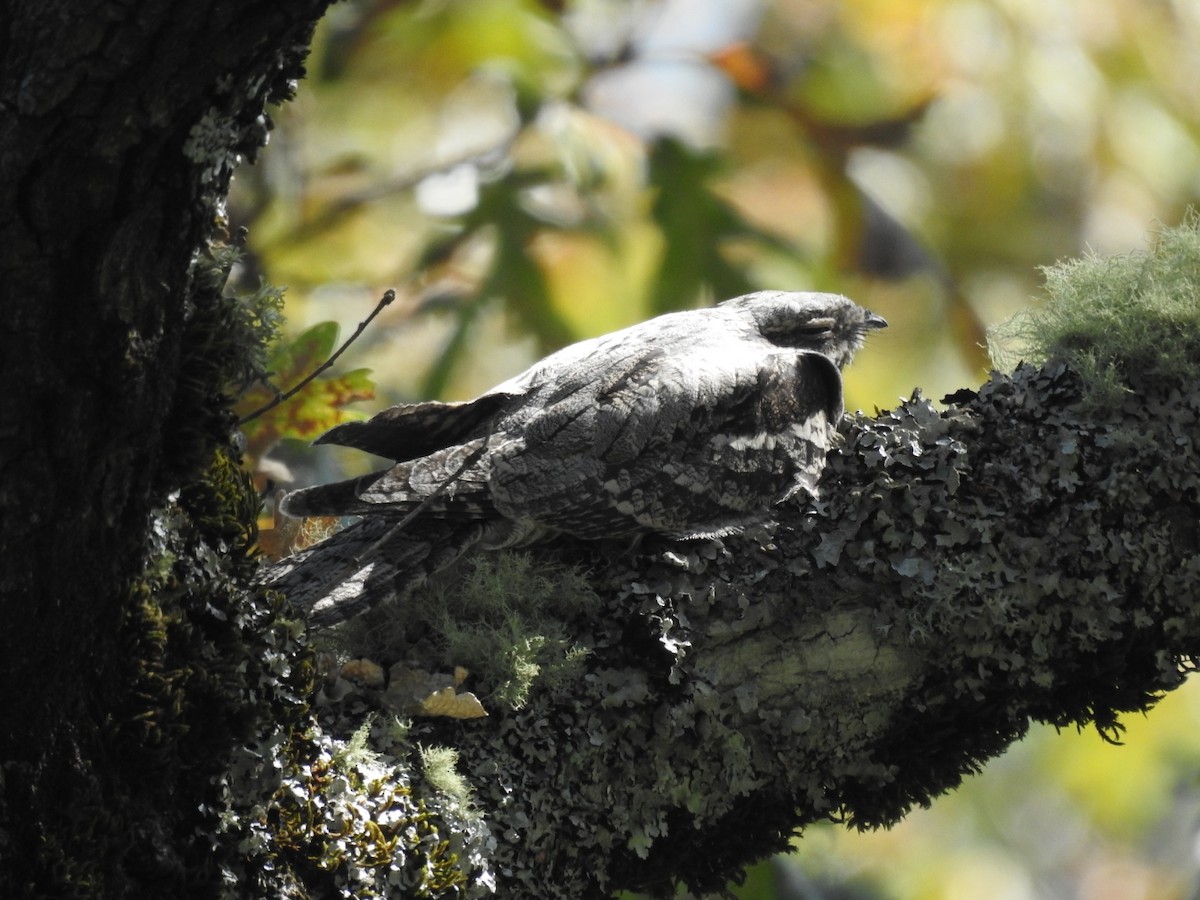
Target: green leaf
x,y
514,276
316,408
696,222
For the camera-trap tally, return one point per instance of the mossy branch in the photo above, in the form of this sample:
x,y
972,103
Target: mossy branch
x,y
1108,317
1029,553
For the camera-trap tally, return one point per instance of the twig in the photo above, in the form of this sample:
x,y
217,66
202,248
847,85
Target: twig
x,y
388,296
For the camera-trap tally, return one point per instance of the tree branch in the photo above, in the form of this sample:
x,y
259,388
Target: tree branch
x,y
1021,556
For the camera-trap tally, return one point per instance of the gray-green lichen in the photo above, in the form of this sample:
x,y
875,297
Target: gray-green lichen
x,y
315,815
1107,317
1026,553
501,619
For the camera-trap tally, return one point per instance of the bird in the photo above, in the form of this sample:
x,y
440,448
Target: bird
x,y
693,424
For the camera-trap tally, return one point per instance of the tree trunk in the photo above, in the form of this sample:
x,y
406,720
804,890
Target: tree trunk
x,y
120,125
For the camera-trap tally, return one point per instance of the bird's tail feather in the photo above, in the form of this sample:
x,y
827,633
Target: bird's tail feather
x,y
368,563
339,498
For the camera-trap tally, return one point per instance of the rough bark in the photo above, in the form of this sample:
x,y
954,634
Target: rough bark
x,y
1023,556
119,127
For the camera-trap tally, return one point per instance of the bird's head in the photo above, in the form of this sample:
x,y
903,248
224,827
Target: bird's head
x,y
829,324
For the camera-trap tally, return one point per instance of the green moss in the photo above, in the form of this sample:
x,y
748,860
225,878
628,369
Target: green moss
x,y
351,822
357,751
500,618
439,765
236,790
207,665
1116,319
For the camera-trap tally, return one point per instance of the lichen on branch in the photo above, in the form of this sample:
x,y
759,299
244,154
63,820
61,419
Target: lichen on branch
x,y
1028,552
1110,318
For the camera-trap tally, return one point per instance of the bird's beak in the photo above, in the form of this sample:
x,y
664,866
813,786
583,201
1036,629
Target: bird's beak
x,y
874,321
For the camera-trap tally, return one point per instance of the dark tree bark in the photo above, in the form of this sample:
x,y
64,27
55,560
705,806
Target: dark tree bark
x,y
120,125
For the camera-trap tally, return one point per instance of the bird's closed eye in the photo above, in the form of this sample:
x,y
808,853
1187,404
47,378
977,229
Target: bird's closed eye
x,y
816,327
792,333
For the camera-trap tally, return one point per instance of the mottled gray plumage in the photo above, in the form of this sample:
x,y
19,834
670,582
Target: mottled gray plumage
x,y
693,424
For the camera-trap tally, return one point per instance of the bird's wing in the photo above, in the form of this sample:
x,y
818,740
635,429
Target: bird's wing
x,y
413,430
439,449
450,480
670,448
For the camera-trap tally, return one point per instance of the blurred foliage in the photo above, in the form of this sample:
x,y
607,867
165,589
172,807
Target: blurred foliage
x,y
529,173
284,404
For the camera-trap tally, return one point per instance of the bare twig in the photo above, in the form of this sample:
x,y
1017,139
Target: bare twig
x,y
388,296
